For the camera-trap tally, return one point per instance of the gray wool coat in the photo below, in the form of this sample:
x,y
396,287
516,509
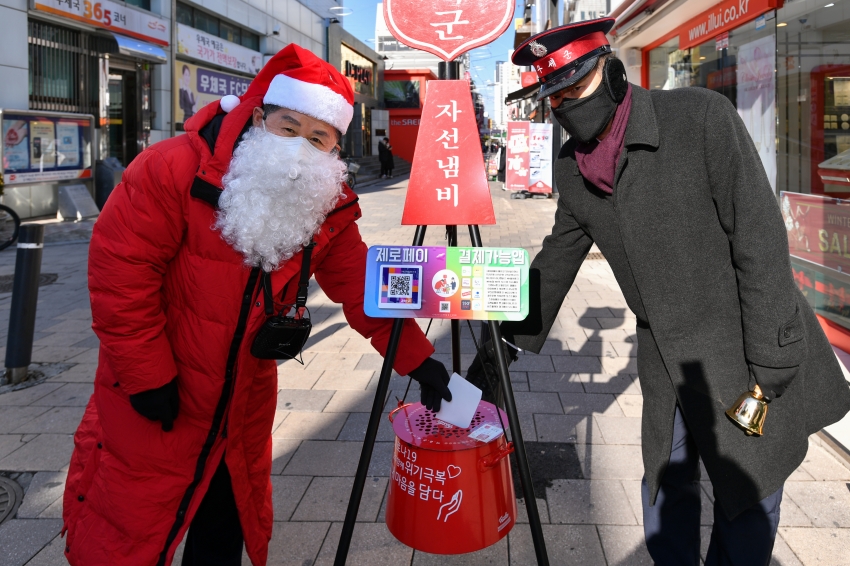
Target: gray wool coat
x,y
695,238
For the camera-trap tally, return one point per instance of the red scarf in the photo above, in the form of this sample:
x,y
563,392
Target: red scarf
x,y
597,160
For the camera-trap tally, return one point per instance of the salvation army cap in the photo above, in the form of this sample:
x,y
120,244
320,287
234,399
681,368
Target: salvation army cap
x,y
564,55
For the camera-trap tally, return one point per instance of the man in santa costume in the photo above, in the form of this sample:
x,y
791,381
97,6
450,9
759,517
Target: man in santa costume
x,y
202,240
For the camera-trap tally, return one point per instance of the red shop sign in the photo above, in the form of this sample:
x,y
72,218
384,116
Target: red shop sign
x,y
444,27
721,18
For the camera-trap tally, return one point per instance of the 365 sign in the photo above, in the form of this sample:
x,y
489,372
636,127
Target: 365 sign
x,y
447,28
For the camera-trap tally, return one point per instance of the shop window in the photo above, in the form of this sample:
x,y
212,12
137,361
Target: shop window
x,y
813,97
206,22
230,33
143,4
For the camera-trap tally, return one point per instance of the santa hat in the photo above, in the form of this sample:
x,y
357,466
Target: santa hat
x,y
298,80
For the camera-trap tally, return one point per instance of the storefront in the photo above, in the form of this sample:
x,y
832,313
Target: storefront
x,y
786,68
90,59
404,96
364,68
207,68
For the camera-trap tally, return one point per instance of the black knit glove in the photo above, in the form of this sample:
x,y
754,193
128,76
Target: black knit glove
x,y
160,404
773,381
484,374
433,381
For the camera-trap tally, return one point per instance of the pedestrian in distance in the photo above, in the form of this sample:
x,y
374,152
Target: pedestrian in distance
x,y
385,156
669,186
202,249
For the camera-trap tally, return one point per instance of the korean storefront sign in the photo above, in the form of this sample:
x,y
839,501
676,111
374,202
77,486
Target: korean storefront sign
x,y
528,164
359,70
819,241
435,282
448,183
199,86
46,147
212,49
444,27
114,16
722,18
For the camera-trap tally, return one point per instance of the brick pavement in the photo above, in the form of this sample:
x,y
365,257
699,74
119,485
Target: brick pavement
x,y
579,398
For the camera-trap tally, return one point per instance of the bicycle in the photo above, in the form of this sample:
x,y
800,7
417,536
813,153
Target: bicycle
x,y
352,169
10,224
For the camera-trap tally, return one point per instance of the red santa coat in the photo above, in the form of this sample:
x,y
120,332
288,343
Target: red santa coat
x,y
170,298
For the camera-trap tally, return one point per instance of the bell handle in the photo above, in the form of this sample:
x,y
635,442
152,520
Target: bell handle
x,y
757,392
488,462
391,416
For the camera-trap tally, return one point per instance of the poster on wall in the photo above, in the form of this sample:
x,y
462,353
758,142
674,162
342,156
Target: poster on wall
x,y
529,160
199,86
756,98
212,49
39,148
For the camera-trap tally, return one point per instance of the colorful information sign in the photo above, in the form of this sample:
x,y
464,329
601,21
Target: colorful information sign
x,y
435,282
203,46
49,147
528,166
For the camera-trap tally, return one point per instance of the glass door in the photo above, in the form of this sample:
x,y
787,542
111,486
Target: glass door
x,y
123,115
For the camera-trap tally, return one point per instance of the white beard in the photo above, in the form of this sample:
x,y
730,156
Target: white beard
x,y
277,193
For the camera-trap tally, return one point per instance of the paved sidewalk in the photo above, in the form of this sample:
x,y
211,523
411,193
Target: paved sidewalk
x,y
580,404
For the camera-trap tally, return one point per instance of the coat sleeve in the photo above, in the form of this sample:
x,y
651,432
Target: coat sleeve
x,y
550,277
342,276
748,211
138,232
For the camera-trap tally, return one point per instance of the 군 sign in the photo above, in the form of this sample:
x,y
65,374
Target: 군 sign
x,y
447,28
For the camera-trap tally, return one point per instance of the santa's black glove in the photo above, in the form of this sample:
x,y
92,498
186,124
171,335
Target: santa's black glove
x,y
433,382
773,381
160,404
484,373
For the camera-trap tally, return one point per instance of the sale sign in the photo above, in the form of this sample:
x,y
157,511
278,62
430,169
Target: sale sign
x,y
447,28
457,283
448,183
528,166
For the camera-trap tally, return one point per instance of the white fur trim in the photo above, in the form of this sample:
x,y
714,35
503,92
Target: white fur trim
x,y
311,99
229,102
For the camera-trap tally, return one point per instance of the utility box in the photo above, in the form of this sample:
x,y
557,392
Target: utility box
x,y
109,173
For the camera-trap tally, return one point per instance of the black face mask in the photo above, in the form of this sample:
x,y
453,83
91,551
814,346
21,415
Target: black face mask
x,y
586,118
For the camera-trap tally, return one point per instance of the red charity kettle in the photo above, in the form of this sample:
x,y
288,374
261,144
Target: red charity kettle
x,y
450,493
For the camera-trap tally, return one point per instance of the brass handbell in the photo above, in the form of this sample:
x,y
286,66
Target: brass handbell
x,y
749,412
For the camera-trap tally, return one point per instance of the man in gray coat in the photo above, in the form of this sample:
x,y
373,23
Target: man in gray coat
x,y
669,186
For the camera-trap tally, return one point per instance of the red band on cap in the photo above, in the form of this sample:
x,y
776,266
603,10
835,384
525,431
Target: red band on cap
x,y
569,53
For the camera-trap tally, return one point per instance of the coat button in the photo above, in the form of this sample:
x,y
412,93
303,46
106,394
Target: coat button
x,y
258,303
332,229
787,333
80,498
99,445
181,513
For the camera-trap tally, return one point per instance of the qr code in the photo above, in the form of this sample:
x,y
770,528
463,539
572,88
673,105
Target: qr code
x,y
400,286
445,306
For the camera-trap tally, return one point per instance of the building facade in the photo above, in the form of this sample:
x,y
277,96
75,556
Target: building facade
x,y
140,68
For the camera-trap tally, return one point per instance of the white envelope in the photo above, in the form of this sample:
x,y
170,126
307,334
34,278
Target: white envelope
x,y
465,398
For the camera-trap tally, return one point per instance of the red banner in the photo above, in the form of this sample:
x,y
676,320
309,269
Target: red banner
x,y
818,229
517,160
721,18
448,184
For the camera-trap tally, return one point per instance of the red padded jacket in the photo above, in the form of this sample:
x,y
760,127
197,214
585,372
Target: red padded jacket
x,y
170,298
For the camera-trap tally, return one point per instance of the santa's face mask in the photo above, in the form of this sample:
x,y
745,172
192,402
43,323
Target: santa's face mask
x,y
277,193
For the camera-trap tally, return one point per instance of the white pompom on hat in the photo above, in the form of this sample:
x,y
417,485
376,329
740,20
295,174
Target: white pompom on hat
x,y
298,80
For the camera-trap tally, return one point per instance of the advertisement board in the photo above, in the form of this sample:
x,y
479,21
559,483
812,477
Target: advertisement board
x,y
819,242
198,86
212,49
756,93
39,147
457,283
529,160
114,16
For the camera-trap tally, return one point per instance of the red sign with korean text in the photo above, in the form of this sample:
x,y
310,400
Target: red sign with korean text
x,y
447,28
722,17
448,183
517,160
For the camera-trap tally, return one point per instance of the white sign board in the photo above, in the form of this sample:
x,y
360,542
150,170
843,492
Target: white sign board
x,y
117,17
212,49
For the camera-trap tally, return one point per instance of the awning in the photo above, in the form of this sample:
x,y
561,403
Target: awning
x,y
523,93
143,50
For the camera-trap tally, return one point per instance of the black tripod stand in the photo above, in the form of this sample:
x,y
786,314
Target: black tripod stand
x,y
380,398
